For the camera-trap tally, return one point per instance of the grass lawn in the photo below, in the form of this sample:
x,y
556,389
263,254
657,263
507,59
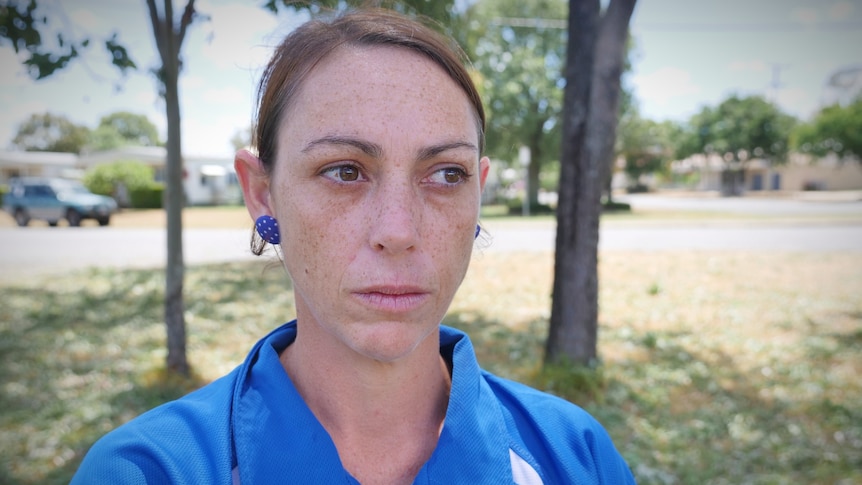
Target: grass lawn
x,y
718,368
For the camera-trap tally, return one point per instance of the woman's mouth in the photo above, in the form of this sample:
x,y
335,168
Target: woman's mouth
x,y
392,299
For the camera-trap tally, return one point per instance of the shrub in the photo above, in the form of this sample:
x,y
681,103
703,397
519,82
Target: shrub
x,y
516,207
148,197
119,179
614,206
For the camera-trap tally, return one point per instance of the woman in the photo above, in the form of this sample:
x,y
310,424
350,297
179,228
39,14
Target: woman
x,y
368,176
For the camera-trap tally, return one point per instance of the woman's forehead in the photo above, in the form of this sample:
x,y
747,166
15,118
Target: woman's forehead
x,y
368,68
357,89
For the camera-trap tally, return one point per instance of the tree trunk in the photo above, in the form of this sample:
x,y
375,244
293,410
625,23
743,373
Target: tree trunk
x,y
570,308
174,201
607,71
589,128
169,41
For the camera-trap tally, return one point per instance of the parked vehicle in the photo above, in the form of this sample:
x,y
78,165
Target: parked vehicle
x,y
52,199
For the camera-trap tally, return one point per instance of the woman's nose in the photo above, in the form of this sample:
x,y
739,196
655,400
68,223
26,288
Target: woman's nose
x,y
395,225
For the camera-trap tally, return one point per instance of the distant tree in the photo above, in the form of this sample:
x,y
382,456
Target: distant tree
x,y
136,129
123,128
739,130
50,133
104,138
518,49
595,56
836,129
645,145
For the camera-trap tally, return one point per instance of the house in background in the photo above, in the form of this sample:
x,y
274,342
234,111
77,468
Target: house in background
x,y
801,172
804,172
38,164
207,180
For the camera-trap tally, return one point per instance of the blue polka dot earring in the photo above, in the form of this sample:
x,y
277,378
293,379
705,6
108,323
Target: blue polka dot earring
x,y
268,229
478,230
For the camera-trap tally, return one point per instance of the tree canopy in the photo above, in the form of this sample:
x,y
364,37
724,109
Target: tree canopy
x,y
739,129
124,128
836,129
646,145
56,133
48,132
22,25
520,65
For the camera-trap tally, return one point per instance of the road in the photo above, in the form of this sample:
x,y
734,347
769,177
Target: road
x,y
847,203
25,251
56,250
719,237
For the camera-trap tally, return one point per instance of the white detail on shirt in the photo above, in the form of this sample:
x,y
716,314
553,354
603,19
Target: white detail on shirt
x,y
522,472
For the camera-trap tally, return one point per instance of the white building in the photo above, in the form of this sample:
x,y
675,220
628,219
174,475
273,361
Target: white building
x,y
206,180
801,172
38,164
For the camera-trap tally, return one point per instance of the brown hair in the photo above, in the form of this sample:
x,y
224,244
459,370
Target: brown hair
x,y
312,42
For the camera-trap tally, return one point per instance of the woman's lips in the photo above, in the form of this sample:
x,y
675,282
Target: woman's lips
x,y
392,299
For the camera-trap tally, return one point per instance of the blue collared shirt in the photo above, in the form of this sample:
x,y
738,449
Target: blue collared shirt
x,y
253,427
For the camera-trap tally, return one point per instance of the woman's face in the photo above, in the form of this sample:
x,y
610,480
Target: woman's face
x,y
376,186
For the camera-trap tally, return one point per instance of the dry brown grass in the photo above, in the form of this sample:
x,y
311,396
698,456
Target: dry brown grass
x,y
724,298
719,367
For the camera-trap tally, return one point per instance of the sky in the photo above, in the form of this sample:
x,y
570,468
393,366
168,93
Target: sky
x,y
688,55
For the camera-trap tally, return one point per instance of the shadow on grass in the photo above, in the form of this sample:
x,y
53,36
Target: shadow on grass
x,y
512,352
687,414
684,412
81,354
127,404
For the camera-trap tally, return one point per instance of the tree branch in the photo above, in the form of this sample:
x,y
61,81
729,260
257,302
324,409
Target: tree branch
x,y
188,17
158,30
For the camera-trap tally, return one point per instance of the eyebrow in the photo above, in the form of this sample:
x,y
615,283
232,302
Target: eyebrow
x,y
434,150
376,151
368,148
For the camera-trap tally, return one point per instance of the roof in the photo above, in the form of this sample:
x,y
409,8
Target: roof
x,y
18,158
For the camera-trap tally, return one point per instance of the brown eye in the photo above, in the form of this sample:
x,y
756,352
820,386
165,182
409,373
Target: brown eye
x,y
348,173
449,177
343,174
453,175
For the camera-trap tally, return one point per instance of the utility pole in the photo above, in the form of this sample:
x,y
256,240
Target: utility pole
x,y
776,84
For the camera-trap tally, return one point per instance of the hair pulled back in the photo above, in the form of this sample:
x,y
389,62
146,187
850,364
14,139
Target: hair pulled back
x,y
309,44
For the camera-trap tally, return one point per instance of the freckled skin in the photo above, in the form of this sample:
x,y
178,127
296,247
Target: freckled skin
x,y
400,224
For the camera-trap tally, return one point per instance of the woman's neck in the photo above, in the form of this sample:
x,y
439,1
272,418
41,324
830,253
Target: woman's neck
x,y
377,413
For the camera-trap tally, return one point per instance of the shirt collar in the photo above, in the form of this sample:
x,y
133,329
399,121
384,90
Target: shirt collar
x,y
276,434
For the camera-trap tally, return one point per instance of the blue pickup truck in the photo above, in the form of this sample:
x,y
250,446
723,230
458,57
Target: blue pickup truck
x,y
52,199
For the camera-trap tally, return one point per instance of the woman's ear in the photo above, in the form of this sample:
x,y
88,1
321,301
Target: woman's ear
x,y
254,181
484,167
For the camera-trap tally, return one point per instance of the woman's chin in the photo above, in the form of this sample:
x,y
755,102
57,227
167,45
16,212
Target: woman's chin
x,y
389,342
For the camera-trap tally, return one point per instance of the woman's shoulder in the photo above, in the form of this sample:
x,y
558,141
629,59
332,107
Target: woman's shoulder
x,y
561,436
187,437
531,400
